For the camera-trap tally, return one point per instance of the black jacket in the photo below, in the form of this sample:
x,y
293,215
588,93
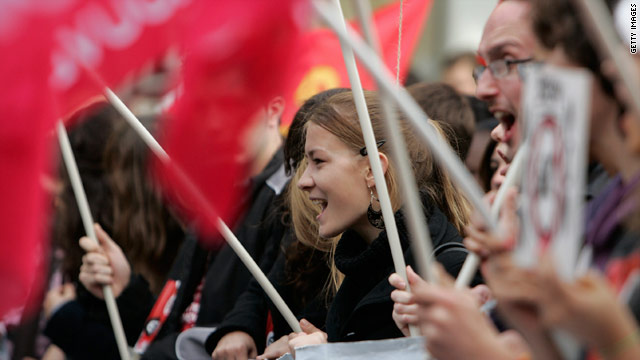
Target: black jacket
x,y
362,308
225,277
251,310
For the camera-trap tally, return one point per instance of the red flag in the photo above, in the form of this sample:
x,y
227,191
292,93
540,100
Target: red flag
x,y
112,38
44,44
25,110
319,64
237,60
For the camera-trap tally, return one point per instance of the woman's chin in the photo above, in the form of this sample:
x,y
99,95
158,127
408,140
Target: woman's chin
x,y
326,232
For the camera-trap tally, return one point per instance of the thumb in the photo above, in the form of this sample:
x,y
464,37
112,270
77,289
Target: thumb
x,y
88,244
308,327
414,279
444,279
490,197
104,239
509,207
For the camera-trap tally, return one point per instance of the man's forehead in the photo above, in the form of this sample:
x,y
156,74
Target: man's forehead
x,y
508,31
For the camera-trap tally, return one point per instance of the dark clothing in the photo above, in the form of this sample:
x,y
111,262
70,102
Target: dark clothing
x,y
615,245
361,310
225,277
82,329
251,310
260,232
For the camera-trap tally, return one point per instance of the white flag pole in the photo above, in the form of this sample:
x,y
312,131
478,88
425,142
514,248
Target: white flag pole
x,y
511,179
228,235
421,240
472,261
441,150
370,142
87,221
419,120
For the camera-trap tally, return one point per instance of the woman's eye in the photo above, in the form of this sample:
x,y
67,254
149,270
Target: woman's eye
x,y
317,161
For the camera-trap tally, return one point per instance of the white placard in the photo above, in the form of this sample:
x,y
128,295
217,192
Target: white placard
x,y
408,348
556,106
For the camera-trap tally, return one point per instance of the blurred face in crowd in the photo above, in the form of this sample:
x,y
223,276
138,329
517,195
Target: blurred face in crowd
x,y
262,139
336,180
507,36
254,140
458,75
476,150
499,169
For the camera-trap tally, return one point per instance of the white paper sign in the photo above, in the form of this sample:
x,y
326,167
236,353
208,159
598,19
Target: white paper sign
x,y
556,105
392,349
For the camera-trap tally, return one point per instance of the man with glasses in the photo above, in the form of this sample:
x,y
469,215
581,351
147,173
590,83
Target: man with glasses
x,y
449,318
507,41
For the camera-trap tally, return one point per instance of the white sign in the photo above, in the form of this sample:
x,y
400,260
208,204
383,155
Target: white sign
x,y
555,107
412,348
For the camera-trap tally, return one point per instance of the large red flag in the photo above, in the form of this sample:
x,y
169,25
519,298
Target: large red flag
x,y
237,60
319,64
47,48
25,120
113,39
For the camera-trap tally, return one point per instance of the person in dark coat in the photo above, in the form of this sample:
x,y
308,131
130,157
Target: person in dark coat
x,y
204,283
113,161
340,182
299,275
357,310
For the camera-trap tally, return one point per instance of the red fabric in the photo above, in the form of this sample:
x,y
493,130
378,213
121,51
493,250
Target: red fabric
x,y
115,39
25,119
269,327
237,61
158,315
319,64
619,270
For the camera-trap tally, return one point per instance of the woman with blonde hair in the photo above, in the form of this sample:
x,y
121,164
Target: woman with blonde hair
x,y
300,274
339,180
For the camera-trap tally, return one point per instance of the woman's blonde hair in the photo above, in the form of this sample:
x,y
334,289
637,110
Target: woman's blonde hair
x,y
305,226
338,116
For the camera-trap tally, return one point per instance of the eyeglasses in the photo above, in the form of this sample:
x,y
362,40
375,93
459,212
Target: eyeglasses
x,y
363,151
498,68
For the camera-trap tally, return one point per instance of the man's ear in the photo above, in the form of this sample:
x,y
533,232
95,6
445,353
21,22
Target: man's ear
x,y
275,108
384,161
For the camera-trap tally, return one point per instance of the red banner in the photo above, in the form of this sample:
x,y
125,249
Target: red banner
x,y
239,59
113,39
26,118
319,64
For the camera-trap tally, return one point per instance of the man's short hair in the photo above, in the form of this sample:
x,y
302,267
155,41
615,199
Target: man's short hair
x,y
445,105
557,23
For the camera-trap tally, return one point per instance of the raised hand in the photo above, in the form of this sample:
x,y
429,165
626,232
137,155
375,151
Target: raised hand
x,y
103,264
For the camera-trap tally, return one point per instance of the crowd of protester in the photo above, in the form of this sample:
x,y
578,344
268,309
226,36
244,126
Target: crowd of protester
x,y
311,218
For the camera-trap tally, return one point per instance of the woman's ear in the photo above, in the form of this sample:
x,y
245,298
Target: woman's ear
x,y
384,161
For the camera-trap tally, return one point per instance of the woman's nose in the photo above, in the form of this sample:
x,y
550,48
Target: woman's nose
x,y
305,182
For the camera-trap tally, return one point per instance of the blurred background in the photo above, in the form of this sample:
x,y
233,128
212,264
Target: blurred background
x,y
453,27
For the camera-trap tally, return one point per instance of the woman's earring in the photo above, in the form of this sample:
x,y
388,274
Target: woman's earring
x,y
374,216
